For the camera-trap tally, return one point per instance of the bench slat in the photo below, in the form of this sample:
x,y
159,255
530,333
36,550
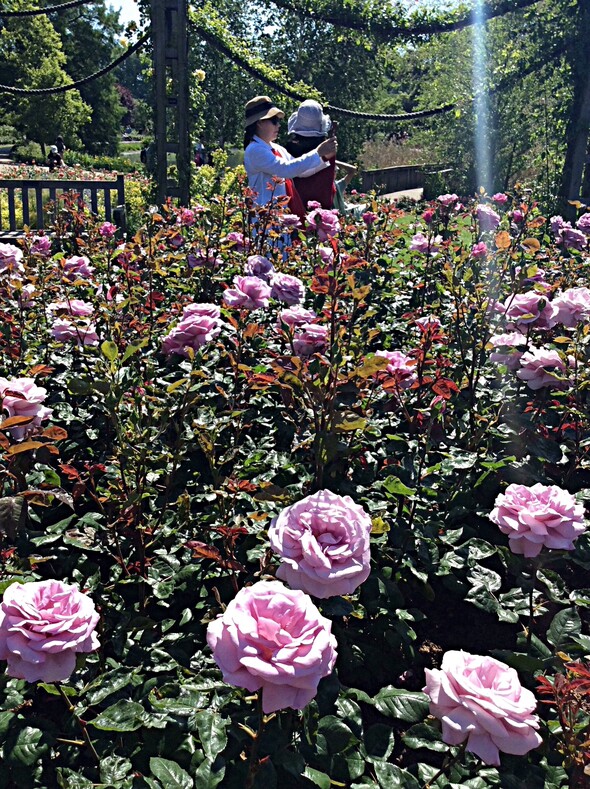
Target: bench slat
x,y
26,214
11,211
39,206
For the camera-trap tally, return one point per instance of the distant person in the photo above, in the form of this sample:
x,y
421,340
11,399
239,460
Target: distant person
x,y
54,158
265,160
200,153
60,145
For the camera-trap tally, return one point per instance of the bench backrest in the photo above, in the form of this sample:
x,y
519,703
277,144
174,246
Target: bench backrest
x,y
21,189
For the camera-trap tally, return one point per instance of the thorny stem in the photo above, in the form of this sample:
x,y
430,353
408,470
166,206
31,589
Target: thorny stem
x,y
446,765
253,764
80,722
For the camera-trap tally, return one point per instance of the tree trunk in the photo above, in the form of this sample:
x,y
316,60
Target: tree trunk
x,y
578,127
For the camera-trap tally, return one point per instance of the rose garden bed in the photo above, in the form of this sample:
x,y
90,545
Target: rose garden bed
x,y
297,509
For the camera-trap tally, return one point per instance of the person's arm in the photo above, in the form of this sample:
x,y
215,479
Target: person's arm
x,y
260,158
350,171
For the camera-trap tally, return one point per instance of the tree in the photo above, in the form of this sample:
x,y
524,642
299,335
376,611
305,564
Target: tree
x,y
31,56
90,37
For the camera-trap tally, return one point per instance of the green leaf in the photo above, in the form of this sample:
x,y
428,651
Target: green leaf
x,y
555,585
405,705
13,515
170,773
378,742
350,422
424,736
396,487
109,350
68,779
212,732
317,778
26,746
337,734
565,623
114,769
390,776
123,716
206,777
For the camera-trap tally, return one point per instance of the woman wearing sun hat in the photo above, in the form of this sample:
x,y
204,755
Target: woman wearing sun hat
x,y
265,160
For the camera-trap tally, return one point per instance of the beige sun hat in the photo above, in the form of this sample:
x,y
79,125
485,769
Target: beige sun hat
x,y
260,108
309,120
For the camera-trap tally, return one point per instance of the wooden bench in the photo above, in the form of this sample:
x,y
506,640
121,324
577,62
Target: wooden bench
x,y
26,194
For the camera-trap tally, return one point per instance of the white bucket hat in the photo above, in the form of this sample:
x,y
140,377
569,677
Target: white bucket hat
x,y
309,120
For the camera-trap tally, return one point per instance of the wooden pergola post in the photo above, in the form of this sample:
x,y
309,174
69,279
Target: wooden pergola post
x,y
171,89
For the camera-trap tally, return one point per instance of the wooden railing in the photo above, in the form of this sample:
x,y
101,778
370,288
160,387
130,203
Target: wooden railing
x,y
398,179
27,200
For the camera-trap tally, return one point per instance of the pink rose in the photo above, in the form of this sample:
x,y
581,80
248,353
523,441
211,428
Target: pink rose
x,y
273,639
41,246
324,222
542,516
22,397
517,216
43,626
193,331
176,240
540,367
572,306
248,293
293,317
259,266
238,239
506,349
323,541
289,220
422,243
206,309
530,308
313,204
76,307
11,260
326,254
500,198
480,250
481,700
557,223
428,215
570,238
401,367
82,332
23,295
448,200
186,217
107,230
486,216
287,288
369,218
310,338
583,224
198,259
76,267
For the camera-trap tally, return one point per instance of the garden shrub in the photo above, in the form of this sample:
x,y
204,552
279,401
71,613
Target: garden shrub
x,y
297,508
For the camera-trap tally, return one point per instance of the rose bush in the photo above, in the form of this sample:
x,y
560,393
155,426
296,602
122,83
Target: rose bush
x,y
273,639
